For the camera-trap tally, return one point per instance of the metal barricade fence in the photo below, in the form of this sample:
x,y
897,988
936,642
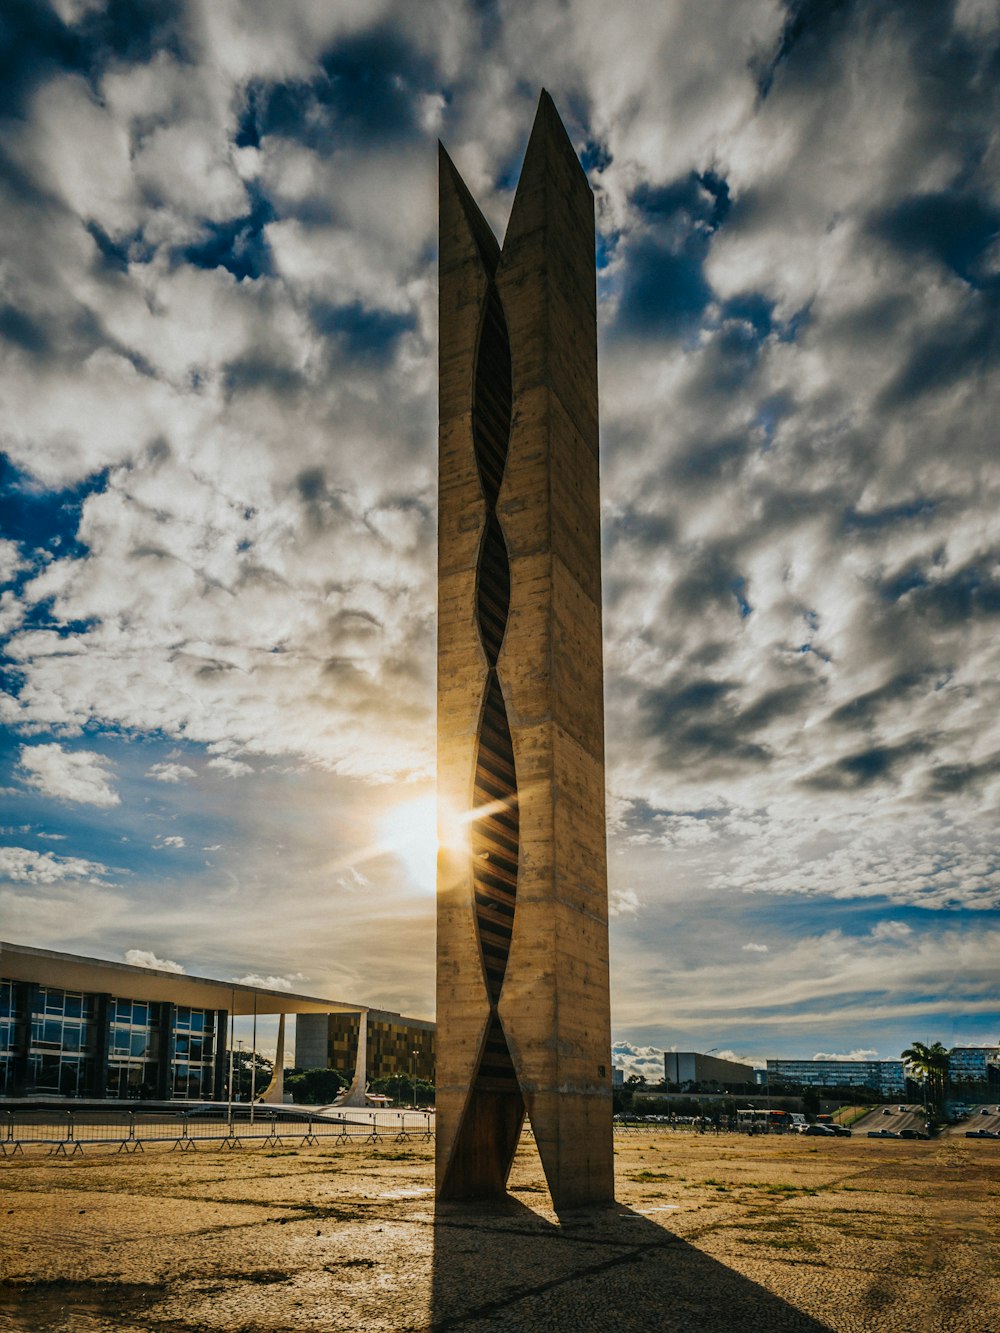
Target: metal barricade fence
x,y
52,1129
68,1133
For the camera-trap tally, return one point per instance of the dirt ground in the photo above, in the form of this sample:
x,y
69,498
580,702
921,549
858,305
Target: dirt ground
x,y
711,1235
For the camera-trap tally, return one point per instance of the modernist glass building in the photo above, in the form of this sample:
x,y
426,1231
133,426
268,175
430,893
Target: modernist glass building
x,y
72,1043
972,1064
88,1028
884,1076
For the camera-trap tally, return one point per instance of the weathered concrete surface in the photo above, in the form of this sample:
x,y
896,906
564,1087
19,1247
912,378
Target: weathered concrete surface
x,y
554,1009
711,1235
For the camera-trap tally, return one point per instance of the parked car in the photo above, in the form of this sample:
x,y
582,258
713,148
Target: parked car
x,y
981,1134
913,1134
819,1131
841,1131
882,1134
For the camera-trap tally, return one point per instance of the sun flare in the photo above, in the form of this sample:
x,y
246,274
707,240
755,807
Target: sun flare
x,y
414,831
409,831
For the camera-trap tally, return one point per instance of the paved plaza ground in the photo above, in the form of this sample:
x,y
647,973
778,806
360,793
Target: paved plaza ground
x,y
711,1235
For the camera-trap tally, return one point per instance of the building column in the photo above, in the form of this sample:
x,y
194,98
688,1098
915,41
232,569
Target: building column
x,y
25,1003
219,1083
164,1083
102,1045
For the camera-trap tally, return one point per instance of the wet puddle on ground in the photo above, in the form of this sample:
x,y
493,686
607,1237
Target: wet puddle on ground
x,y
60,1306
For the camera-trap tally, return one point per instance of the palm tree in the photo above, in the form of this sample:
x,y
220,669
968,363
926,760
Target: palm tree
x,y
929,1064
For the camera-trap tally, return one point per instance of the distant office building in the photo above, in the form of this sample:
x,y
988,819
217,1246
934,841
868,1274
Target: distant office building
x,y
395,1045
690,1067
884,1076
617,1077
973,1064
85,1027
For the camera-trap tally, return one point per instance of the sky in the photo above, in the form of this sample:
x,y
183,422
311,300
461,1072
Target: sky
x,y
218,492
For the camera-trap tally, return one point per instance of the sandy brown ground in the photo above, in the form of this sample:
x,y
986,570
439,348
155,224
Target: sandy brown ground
x,y
711,1235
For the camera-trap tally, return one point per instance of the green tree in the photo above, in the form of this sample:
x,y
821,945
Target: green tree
x,y
314,1087
400,1088
621,1099
929,1066
244,1065
810,1102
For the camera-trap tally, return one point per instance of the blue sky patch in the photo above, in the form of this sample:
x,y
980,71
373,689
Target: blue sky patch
x,y
363,333
40,518
238,245
664,288
955,228
367,91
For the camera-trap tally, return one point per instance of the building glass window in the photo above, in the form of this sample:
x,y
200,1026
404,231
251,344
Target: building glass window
x,y
62,1040
8,1034
133,1048
193,1067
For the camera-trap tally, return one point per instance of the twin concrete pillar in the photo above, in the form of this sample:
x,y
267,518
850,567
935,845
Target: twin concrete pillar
x,y
523,1022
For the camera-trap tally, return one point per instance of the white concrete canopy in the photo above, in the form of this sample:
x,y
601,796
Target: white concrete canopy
x,y
45,967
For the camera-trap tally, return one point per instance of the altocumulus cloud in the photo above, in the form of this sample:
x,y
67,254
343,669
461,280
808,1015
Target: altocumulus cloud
x,y
68,775
170,772
217,317
22,865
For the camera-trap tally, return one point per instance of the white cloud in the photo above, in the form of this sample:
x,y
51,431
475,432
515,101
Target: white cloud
x,y
68,775
20,865
623,901
724,1053
233,768
891,930
11,612
643,1061
862,1053
170,772
11,560
146,958
801,532
264,983
830,981
171,840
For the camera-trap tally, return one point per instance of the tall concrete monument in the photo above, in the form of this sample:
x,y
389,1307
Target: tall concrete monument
x,y
523,1021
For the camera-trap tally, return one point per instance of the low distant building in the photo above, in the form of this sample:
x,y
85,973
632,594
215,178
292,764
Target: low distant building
x,y
883,1076
682,1067
973,1064
395,1045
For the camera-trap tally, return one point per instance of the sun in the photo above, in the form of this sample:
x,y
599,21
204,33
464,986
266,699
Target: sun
x,y
409,832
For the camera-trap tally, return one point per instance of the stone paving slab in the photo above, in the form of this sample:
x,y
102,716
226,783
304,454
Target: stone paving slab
x,y
710,1236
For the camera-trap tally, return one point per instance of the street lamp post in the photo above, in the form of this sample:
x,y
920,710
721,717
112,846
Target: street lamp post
x,y
413,1075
